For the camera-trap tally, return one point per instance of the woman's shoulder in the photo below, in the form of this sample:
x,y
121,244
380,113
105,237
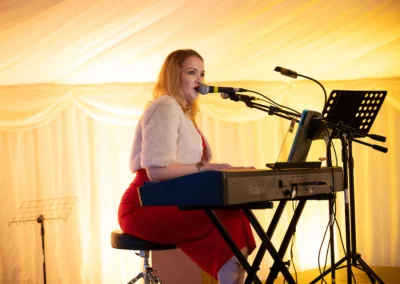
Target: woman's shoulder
x,y
164,101
164,105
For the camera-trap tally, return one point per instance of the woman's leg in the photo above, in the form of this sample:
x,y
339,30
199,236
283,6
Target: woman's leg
x,y
192,231
232,272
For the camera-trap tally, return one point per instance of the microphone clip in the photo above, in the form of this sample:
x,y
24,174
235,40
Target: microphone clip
x,y
238,97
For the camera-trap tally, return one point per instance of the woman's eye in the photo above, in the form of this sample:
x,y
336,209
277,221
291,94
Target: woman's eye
x,y
192,72
202,74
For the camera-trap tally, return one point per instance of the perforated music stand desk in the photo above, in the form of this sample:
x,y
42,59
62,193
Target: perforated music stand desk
x,y
40,210
356,109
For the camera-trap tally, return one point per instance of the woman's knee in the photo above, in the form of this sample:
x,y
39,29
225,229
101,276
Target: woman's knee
x,y
232,272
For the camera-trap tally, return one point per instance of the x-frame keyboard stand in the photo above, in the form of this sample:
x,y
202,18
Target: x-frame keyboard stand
x,y
266,244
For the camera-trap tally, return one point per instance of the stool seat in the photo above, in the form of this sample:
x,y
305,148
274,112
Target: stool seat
x,y
120,240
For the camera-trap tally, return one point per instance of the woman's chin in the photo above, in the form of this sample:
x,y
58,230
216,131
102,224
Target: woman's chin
x,y
192,97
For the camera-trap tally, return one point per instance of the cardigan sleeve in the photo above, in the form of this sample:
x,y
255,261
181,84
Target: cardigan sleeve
x,y
160,124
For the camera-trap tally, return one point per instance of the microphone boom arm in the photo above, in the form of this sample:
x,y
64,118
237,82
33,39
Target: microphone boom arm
x,y
293,74
373,146
273,110
309,78
342,128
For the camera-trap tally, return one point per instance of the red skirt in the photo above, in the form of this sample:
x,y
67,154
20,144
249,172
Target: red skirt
x,y
192,231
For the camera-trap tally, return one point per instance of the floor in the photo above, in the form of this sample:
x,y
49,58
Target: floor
x,y
389,275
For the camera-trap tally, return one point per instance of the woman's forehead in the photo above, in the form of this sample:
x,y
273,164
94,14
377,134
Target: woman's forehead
x,y
193,62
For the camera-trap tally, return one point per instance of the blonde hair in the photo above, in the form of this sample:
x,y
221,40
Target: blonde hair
x,y
168,81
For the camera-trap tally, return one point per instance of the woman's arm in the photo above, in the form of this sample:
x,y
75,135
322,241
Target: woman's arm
x,y
177,170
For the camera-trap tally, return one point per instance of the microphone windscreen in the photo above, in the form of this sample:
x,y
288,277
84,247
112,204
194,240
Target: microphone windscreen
x,y
203,89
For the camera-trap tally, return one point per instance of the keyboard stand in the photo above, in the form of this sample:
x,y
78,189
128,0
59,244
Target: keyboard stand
x,y
266,244
275,269
278,265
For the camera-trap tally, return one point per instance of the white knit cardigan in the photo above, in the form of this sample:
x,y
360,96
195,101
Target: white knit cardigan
x,y
165,135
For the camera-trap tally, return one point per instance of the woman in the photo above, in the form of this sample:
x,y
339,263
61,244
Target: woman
x,y
168,144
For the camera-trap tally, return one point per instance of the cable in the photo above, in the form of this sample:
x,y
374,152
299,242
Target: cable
x,y
284,140
334,215
319,255
328,141
327,253
334,211
334,150
272,102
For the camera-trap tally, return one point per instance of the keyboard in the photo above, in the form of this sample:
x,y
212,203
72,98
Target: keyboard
x,y
224,188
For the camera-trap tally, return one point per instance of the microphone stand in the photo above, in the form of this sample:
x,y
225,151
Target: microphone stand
x,y
346,135
272,110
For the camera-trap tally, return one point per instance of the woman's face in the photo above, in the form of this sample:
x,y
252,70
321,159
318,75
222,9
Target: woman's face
x,y
191,76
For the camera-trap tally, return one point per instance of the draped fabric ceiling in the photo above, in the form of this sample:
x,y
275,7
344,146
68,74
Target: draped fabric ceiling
x,y
75,76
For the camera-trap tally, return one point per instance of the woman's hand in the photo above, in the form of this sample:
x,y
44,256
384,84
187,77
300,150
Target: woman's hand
x,y
216,167
177,170
223,167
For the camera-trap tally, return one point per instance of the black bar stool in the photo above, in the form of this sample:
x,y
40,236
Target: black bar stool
x,y
119,240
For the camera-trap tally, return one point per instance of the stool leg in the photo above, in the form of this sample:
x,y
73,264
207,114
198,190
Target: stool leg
x,y
140,275
147,269
148,272
149,276
155,279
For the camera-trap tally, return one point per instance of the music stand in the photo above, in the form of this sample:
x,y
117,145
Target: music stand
x,y
350,114
40,210
357,109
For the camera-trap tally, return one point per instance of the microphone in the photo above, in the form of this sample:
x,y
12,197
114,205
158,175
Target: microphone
x,y
204,89
286,72
293,74
237,97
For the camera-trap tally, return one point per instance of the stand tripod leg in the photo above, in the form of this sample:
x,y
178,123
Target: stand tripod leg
x,y
326,272
139,276
352,257
356,257
331,217
345,156
332,238
40,220
352,205
348,248
371,274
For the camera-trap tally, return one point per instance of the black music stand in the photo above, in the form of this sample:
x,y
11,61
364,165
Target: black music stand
x,y
40,210
356,109
350,114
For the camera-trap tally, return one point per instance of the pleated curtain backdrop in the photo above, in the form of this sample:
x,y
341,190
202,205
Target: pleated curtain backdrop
x,y
65,140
